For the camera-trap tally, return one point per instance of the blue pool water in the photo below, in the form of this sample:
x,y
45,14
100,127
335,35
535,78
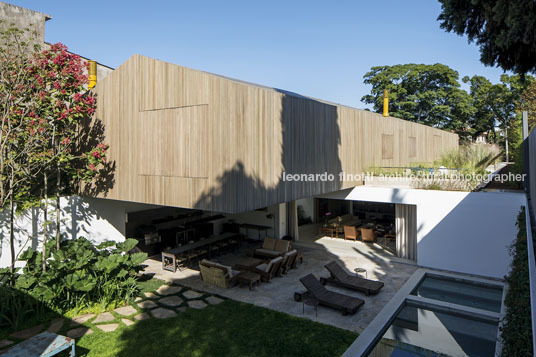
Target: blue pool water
x,y
472,294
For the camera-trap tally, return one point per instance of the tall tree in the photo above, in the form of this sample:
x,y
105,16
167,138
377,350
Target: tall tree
x,y
505,30
42,103
527,102
427,94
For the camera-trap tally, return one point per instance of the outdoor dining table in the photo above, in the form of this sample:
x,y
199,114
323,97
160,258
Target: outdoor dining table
x,y
174,252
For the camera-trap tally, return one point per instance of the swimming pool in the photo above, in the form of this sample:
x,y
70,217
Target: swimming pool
x,y
461,291
418,331
436,313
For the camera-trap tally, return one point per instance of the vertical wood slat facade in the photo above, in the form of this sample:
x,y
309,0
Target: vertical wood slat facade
x,y
186,138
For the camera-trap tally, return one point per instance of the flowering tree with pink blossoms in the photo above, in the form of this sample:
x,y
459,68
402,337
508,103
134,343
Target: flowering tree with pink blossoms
x,y
43,104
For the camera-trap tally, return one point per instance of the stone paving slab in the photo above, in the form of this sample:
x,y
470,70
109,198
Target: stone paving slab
x,y
162,313
171,301
149,295
5,342
147,304
55,325
127,322
142,316
81,319
108,327
27,333
79,332
213,300
168,290
197,304
126,310
190,294
104,317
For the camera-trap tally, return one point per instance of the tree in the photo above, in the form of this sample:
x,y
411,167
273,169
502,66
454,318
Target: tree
x,y
505,30
42,103
427,94
527,102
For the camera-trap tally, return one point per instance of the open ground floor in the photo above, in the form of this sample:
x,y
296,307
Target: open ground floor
x,y
278,293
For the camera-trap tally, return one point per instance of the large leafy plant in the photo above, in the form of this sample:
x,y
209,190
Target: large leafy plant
x,y
80,274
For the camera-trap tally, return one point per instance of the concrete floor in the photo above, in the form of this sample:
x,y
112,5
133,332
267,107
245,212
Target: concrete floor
x,y
278,294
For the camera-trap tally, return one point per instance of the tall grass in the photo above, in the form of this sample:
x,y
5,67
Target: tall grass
x,y
475,157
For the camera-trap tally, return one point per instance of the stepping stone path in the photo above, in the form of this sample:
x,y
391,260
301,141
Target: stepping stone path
x,y
5,342
27,333
147,304
190,294
142,316
127,322
81,319
139,298
172,301
108,327
79,332
126,310
104,317
55,325
197,304
168,290
168,295
162,313
213,300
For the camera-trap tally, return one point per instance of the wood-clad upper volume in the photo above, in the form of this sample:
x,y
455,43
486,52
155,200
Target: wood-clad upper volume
x,y
187,138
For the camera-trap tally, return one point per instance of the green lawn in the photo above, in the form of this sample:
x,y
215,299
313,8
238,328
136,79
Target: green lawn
x,y
228,329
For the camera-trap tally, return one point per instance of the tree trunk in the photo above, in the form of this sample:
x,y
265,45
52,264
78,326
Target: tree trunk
x,y
12,234
58,210
45,219
506,142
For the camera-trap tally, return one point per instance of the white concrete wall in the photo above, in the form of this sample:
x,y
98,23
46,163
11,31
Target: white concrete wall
x,y
94,219
466,232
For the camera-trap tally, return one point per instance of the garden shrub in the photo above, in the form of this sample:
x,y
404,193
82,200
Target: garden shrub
x,y
18,308
516,331
80,275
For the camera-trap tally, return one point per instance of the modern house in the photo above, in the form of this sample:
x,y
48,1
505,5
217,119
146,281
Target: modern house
x,y
194,155
189,143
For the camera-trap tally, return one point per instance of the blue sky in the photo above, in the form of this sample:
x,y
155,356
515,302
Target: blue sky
x,y
316,48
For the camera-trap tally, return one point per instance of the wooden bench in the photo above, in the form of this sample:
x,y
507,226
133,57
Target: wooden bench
x,y
43,345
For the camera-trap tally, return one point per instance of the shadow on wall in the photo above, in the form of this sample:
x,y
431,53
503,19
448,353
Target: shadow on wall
x,y
105,180
76,214
474,236
305,125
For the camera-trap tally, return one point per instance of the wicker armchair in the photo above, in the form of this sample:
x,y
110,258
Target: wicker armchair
x,y
217,274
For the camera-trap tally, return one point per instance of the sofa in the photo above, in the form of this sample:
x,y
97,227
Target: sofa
x,y
214,273
272,248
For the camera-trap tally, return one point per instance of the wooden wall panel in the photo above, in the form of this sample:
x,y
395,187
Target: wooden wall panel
x,y
186,138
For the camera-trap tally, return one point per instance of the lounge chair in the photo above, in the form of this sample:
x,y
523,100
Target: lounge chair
x,y
347,304
272,248
368,235
217,274
268,270
341,278
288,260
350,232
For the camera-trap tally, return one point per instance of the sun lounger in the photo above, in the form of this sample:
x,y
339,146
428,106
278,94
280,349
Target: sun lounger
x,y
342,278
347,304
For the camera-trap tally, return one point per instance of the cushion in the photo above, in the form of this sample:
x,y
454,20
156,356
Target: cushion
x,y
282,245
275,260
291,252
269,243
263,267
268,252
